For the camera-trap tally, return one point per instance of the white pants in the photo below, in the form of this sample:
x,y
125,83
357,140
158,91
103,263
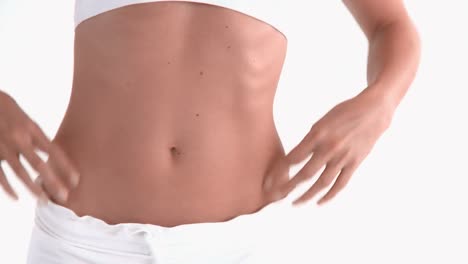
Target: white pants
x,y
59,236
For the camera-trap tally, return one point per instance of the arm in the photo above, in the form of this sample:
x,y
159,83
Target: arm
x,y
19,134
394,47
346,134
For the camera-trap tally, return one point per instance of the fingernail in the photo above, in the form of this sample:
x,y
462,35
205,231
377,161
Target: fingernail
x,y
75,179
62,195
277,195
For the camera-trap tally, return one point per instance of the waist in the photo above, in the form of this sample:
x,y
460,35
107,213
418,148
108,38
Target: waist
x,y
166,168
169,131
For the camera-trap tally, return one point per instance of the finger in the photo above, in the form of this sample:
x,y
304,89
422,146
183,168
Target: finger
x,y
40,139
69,179
44,170
48,181
44,196
325,179
39,165
53,184
339,184
304,148
6,185
20,171
332,168
63,166
317,161
278,173
33,159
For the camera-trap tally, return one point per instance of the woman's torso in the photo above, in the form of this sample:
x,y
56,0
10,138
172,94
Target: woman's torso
x,y
170,119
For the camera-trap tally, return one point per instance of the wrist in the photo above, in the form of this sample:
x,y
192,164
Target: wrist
x,y
385,104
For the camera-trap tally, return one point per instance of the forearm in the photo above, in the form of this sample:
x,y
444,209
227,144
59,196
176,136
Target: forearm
x,y
393,58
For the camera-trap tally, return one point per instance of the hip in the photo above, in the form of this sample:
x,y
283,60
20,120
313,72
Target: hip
x,y
59,235
170,182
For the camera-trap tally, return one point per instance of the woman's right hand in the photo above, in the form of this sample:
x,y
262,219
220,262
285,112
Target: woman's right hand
x,y
21,135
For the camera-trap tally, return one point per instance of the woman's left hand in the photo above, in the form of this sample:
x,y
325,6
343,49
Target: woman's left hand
x,y
340,140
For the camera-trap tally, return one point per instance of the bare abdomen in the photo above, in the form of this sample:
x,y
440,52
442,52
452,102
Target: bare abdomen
x,y
172,127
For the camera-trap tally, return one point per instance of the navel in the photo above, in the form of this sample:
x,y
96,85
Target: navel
x,y
175,151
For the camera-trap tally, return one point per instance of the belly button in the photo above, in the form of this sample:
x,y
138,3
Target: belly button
x,y
174,151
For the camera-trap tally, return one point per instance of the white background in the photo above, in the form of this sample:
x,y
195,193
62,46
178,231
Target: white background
x,y
406,203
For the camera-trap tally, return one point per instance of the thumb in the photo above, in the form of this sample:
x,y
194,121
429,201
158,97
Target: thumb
x,y
277,174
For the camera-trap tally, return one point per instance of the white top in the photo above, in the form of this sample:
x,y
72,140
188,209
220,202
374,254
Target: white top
x,y
268,11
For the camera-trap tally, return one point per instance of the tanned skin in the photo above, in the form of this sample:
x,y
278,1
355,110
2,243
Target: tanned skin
x,y
170,119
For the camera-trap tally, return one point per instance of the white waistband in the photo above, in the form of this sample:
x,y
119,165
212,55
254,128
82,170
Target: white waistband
x,y
133,237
